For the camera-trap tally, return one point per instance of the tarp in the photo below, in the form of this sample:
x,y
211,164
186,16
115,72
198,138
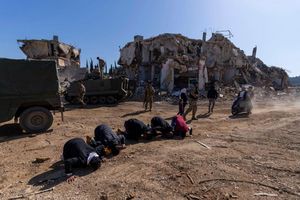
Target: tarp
x,y
24,77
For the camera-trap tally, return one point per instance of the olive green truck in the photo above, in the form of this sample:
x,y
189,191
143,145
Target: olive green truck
x,y
29,91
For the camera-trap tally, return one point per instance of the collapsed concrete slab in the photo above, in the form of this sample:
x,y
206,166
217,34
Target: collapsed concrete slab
x,y
66,56
175,61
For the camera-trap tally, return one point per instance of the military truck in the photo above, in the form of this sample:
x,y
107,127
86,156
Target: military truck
x,y
29,91
100,91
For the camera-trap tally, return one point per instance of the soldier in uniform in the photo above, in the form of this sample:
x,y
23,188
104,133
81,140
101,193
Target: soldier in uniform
x,y
149,93
81,93
193,98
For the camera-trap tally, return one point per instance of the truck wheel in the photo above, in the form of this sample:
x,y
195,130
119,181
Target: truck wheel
x,y
111,100
68,98
102,100
93,99
86,100
36,119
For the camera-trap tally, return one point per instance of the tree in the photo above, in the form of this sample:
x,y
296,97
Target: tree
x,y
91,65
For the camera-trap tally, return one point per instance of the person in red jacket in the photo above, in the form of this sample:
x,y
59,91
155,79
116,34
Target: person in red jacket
x,y
180,128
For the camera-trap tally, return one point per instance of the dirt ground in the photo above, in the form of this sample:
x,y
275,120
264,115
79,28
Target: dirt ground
x,y
246,157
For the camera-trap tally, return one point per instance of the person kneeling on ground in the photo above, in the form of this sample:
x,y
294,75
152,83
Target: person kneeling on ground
x,y
161,125
77,154
180,128
104,135
135,129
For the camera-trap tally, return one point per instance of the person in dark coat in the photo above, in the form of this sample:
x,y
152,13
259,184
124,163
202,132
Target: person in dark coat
x,y
134,129
77,154
161,125
212,96
104,135
183,99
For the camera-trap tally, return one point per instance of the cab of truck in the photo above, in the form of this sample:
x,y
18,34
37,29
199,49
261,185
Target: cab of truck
x,y
29,92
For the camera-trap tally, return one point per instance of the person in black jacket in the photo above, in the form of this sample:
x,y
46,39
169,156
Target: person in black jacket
x,y
104,135
77,153
182,101
135,129
159,124
212,96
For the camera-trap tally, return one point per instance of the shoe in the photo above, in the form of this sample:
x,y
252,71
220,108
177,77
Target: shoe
x,y
191,131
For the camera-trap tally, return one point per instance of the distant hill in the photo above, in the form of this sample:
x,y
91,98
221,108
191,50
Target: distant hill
x,y
295,81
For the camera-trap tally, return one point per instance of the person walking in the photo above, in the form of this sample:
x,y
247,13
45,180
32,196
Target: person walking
x,y
212,96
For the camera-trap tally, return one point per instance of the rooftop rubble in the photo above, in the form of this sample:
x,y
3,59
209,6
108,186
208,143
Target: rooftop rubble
x,y
66,56
173,61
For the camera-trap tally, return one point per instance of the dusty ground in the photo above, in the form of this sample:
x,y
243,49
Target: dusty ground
x,y
247,156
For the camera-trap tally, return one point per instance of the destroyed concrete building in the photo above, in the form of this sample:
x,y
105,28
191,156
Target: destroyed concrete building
x,y
66,56
175,61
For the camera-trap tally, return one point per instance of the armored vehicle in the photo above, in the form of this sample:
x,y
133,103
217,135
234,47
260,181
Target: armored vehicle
x,y
106,91
29,91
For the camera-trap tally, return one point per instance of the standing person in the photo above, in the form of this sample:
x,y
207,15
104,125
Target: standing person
x,y
193,98
104,135
149,93
180,128
77,153
182,101
81,93
212,96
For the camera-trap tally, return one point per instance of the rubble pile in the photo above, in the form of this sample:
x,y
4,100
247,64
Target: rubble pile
x,y
269,76
173,61
66,56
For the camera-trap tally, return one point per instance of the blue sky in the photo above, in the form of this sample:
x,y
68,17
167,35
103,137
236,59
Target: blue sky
x,y
99,27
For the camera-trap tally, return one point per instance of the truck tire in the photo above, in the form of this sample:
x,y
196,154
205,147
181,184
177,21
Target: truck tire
x,y
111,100
86,100
102,100
36,120
93,100
68,98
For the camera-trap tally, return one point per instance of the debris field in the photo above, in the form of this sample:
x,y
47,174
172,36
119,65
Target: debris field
x,y
254,157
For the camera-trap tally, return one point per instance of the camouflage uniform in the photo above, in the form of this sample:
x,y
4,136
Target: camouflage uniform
x,y
149,93
81,93
193,98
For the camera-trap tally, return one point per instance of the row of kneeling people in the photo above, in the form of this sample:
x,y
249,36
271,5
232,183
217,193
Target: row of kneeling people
x,y
79,153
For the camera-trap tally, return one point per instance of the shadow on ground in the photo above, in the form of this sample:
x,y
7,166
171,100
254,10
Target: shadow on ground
x,y
244,115
56,176
70,107
10,132
134,113
202,116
